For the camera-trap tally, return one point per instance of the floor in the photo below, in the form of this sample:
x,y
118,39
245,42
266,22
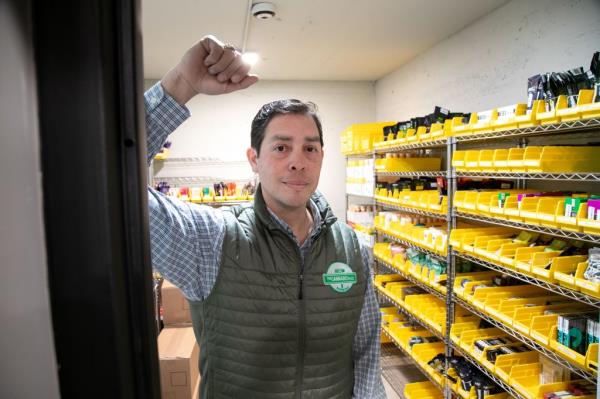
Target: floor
x,y
397,370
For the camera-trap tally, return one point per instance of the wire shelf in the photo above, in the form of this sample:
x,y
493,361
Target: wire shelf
x,y
435,173
415,211
412,245
414,146
413,360
532,227
414,318
581,176
366,154
488,373
361,197
557,289
412,279
590,377
560,128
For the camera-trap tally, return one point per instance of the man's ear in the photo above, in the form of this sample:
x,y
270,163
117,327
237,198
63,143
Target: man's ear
x,y
252,158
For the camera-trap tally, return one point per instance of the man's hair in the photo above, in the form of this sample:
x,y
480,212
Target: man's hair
x,y
280,107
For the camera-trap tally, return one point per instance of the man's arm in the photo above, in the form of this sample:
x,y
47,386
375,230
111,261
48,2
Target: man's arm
x,y
367,348
186,239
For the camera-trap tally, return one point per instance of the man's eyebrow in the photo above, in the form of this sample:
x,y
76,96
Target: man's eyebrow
x,y
279,137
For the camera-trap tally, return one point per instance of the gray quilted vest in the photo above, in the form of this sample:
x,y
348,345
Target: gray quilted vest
x,y
275,327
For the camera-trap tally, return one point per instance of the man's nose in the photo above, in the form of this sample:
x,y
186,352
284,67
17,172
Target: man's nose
x,y
297,160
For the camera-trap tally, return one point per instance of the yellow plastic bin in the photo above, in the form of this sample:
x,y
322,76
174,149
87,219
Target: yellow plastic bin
x,y
515,161
484,121
560,263
505,363
500,161
566,277
507,117
584,97
571,223
554,159
550,117
472,161
587,287
529,119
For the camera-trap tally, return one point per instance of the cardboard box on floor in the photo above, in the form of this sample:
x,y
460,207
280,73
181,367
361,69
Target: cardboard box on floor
x,y
176,309
178,357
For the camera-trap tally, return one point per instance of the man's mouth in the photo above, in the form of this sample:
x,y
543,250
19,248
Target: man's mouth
x,y
296,184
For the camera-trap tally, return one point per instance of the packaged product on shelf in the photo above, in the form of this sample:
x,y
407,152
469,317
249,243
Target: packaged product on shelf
x,y
484,386
552,372
438,363
417,339
535,91
592,272
480,344
593,209
572,331
595,72
493,354
593,330
410,290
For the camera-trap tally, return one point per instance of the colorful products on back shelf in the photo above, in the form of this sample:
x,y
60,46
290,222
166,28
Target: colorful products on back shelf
x,y
218,192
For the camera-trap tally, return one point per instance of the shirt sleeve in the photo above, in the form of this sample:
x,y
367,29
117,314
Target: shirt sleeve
x,y
186,239
163,116
366,348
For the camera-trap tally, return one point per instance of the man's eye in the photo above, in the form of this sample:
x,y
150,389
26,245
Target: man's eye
x,y
280,148
312,149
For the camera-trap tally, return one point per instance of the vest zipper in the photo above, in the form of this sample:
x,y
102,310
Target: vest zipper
x,y
301,327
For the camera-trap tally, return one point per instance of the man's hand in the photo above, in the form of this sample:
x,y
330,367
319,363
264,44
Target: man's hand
x,y
209,67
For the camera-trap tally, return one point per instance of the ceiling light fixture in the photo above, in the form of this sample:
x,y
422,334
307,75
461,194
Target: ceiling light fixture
x,y
250,58
263,10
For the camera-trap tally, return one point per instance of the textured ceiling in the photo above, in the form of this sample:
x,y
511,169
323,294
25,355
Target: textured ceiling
x,y
361,40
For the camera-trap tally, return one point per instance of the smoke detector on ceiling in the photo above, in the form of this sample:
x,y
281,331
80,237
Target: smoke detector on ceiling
x,y
263,10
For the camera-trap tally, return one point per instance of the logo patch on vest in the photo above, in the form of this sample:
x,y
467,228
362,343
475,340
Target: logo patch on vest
x,y
339,277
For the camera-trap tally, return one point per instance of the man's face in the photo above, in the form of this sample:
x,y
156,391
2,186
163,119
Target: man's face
x,y
290,162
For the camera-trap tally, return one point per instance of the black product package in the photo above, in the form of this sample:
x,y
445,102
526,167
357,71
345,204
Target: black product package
x,y
535,90
595,71
484,386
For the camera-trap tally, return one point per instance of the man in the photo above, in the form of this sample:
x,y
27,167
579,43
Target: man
x,y
279,293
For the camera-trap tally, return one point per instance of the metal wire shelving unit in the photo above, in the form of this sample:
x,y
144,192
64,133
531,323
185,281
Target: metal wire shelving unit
x,y
590,377
576,129
412,279
416,211
557,289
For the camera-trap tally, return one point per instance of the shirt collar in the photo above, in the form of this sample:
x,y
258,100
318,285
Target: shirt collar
x,y
314,230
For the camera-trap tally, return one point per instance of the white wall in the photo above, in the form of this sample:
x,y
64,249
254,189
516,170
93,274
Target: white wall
x,y
220,127
28,366
487,64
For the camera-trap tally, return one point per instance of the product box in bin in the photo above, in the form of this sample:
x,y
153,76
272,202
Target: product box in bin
x,y
176,309
178,357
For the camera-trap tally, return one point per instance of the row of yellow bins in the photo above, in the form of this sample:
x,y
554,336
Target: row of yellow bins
x,y
427,308
533,159
421,353
404,266
363,138
359,138
426,200
522,370
546,211
529,310
516,116
433,238
511,248
422,390
426,164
